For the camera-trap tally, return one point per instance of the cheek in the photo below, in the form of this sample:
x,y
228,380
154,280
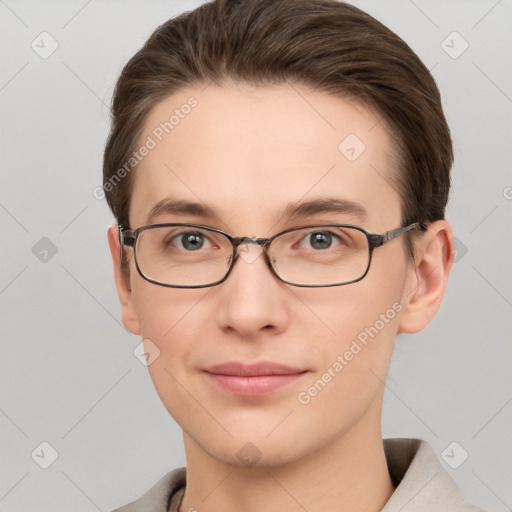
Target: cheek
x,y
349,310
167,331
171,330
354,365
362,320
163,311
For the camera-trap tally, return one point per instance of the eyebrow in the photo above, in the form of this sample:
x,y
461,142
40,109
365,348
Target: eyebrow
x,y
172,206
302,209
324,205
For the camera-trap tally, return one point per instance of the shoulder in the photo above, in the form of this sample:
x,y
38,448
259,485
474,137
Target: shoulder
x,y
157,498
422,483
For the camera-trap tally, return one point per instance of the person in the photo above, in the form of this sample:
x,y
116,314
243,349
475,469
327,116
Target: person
x,y
279,171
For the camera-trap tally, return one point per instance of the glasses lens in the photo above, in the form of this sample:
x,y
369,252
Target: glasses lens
x,y
323,255
183,255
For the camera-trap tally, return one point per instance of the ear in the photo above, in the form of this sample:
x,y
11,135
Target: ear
x,y
129,314
427,277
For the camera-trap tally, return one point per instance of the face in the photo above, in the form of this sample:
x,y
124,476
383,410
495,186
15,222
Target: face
x,y
248,153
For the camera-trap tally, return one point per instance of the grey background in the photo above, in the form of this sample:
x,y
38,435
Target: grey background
x,y
68,373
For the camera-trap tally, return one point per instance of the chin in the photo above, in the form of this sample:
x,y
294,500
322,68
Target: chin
x,y
259,450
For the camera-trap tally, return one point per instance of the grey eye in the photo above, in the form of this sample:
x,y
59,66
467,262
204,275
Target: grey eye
x,y
320,239
189,240
192,241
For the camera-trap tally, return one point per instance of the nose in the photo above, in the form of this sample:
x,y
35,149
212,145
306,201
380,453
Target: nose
x,y
252,299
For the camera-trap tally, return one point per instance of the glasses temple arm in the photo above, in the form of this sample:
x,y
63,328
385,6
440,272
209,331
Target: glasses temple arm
x,y
126,237
377,240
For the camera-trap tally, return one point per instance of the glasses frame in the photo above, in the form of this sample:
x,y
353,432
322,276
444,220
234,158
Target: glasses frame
x,y
128,238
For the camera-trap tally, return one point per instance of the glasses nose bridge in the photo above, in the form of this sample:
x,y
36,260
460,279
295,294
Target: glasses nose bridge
x,y
262,242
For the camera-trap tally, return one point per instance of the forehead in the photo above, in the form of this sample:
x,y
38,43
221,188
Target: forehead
x,y
251,151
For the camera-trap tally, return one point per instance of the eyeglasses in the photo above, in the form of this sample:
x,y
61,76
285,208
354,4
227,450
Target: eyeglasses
x,y
195,256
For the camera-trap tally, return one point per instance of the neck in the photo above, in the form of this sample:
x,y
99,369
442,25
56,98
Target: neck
x,y
349,474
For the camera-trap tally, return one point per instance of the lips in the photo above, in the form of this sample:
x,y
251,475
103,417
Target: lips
x,y
252,379
253,370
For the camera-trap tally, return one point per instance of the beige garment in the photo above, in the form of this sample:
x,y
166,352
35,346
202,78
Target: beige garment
x,y
422,484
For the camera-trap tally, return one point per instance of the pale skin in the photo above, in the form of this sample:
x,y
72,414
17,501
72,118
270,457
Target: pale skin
x,y
249,152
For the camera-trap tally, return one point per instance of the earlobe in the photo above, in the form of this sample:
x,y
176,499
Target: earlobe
x,y
129,314
428,276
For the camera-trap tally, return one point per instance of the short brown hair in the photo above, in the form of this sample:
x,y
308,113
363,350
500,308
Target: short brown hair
x,y
327,45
